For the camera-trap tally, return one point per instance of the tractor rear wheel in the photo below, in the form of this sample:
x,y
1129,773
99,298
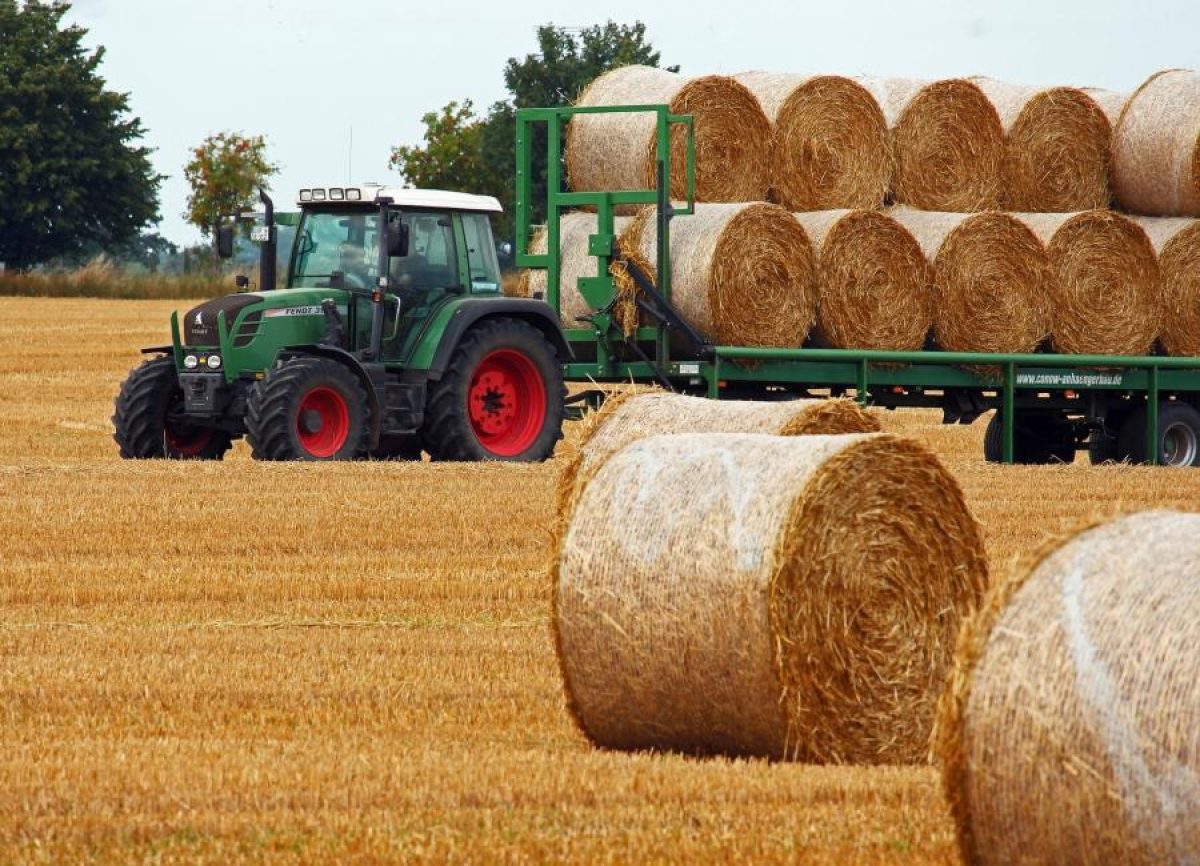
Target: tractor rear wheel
x,y
500,398
307,409
148,419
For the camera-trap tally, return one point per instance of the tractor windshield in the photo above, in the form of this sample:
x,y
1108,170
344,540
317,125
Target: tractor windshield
x,y
336,248
339,249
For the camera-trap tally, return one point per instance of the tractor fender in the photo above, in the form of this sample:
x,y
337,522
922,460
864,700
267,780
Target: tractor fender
x,y
323,350
472,311
157,350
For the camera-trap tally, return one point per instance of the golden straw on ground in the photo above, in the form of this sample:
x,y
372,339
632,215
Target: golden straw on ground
x,y
876,287
1176,240
1156,147
947,143
619,151
1056,147
989,276
1070,731
1104,282
785,597
829,141
741,274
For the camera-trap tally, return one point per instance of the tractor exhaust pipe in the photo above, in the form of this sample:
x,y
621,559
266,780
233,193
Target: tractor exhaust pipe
x,y
266,253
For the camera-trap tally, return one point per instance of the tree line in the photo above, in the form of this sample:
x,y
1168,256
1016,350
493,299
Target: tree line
x,y
76,179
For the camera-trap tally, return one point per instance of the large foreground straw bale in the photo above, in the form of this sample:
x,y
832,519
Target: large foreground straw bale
x,y
1070,732
1056,147
947,143
627,417
741,274
619,151
575,262
786,597
876,287
1156,147
1104,282
1176,240
989,277
829,142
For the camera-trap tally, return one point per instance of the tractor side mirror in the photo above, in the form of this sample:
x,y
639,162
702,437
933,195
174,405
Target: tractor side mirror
x,y
225,242
397,240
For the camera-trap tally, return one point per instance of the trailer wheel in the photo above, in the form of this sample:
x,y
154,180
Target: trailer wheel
x,y
1178,435
148,419
1038,439
307,409
500,398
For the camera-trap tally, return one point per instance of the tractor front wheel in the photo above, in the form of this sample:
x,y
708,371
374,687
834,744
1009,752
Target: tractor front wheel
x,y
149,422
500,398
307,409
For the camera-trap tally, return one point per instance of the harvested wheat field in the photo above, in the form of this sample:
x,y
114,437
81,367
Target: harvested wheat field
x,y
315,663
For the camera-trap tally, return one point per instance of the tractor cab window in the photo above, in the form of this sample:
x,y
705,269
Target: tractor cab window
x,y
432,261
481,252
337,248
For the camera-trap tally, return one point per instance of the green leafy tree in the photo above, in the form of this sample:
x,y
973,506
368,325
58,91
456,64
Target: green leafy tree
x,y
73,173
225,172
461,151
452,155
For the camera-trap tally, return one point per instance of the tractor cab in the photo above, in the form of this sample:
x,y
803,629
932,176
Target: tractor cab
x,y
389,336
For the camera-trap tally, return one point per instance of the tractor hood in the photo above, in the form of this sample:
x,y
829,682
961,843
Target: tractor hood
x,y
200,322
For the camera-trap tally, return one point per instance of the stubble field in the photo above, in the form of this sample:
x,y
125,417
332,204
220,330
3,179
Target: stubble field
x,y
353,663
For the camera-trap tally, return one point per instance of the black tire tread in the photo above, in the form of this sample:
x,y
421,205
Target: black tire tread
x,y
268,405
139,409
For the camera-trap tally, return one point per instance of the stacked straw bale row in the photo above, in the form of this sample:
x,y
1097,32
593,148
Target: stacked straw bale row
x,y
826,142
1093,282
787,596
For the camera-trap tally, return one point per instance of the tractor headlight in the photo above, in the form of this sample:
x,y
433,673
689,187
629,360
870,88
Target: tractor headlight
x,y
190,361
214,362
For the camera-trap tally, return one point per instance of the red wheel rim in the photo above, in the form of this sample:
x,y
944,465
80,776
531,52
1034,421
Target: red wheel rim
x,y
323,422
188,443
506,402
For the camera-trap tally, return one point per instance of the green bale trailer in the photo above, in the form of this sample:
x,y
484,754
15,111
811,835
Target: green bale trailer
x,y
1142,409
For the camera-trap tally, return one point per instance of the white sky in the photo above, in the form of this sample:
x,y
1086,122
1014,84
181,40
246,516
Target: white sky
x,y
303,72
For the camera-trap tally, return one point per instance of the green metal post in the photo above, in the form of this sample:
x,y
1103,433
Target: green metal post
x,y
1152,417
553,181
860,386
1009,411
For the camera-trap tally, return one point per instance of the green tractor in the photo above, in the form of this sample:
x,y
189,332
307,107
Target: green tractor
x,y
390,337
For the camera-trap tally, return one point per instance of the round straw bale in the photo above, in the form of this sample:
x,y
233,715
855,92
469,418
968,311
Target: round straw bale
x,y
829,143
876,287
1177,242
1104,282
989,280
1056,147
785,597
1070,732
1110,102
1156,147
741,274
628,417
619,151
947,143
575,261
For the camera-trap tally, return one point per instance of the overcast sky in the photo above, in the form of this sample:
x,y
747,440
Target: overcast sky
x,y
304,72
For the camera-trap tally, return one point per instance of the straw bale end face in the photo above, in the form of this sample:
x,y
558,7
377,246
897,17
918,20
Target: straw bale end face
x,y
784,597
948,145
1070,732
619,151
